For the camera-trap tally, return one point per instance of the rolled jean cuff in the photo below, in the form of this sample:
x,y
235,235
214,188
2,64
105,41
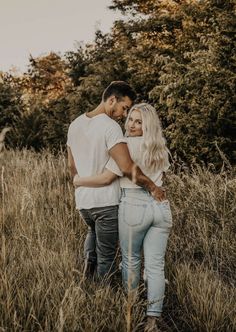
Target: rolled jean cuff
x,y
154,314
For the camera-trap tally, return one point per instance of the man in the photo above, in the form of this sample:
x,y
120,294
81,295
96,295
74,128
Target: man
x,y
92,138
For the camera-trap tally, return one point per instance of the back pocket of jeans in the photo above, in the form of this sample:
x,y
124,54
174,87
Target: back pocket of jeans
x,y
132,214
166,213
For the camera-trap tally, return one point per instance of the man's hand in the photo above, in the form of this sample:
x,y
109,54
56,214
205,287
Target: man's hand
x,y
159,194
120,154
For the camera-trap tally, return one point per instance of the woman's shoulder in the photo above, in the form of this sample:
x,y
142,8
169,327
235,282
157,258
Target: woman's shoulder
x,y
134,146
137,140
134,142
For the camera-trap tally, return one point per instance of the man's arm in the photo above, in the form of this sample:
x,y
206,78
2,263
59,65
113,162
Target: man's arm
x,y
99,180
71,162
121,155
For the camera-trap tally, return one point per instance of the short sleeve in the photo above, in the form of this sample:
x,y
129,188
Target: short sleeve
x,y
114,136
113,167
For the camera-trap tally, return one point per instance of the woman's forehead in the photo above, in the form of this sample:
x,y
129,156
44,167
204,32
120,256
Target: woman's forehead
x,y
136,112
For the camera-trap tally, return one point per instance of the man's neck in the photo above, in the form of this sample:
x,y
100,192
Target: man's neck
x,y
100,109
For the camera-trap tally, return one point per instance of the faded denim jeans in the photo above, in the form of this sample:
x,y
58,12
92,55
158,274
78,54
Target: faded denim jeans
x,y
144,224
101,241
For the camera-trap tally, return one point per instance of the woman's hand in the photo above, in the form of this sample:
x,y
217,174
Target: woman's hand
x,y
76,183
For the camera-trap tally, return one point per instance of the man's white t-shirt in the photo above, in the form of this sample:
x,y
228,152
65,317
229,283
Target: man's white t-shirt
x,y
90,140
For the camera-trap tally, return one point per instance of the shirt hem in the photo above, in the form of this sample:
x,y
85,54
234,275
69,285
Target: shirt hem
x,y
96,205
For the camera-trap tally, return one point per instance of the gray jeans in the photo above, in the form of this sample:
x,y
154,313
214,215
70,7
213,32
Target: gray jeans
x,y
101,241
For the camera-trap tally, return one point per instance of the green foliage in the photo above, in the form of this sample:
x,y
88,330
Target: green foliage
x,y
77,65
57,119
28,132
10,102
35,105
183,60
93,69
197,86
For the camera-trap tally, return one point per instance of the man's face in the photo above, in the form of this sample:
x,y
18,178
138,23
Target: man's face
x,y
119,109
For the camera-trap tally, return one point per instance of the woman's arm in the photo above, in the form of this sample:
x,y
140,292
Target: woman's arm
x,y
99,180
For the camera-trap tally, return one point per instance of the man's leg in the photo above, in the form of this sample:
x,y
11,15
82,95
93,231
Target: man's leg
x,y
106,228
90,256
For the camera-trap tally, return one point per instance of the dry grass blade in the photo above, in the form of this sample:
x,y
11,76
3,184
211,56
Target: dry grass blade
x,y
41,284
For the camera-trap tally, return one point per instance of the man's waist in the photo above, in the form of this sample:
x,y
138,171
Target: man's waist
x,y
97,197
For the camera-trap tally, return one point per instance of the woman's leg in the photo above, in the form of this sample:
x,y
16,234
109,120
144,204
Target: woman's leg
x,y
133,224
131,257
155,243
131,244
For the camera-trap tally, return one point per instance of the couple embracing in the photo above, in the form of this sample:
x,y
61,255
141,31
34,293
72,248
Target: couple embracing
x,y
119,192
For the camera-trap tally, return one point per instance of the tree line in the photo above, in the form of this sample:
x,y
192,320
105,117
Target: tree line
x,y
178,55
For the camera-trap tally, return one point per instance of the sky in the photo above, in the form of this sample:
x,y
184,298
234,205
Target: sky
x,y
37,27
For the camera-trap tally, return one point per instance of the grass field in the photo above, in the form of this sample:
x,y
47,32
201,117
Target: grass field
x,y
41,286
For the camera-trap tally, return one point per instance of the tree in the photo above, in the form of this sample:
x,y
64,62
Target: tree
x,y
99,63
47,79
197,86
178,55
11,105
184,62
34,104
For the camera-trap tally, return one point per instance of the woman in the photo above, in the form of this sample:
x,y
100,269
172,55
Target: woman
x,y
143,222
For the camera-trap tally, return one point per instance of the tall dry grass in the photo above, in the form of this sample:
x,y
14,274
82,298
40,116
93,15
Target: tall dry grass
x,y
41,286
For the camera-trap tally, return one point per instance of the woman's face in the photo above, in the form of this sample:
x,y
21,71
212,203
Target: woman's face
x,y
134,125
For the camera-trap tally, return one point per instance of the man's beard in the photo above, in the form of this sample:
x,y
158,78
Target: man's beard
x,y
113,110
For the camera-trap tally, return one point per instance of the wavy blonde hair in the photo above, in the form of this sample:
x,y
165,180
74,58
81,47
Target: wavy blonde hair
x,y
154,152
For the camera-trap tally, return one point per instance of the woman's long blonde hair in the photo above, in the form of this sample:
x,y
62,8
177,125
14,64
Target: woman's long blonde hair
x,y
154,152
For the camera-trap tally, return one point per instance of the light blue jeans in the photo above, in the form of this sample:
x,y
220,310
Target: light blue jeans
x,y
144,224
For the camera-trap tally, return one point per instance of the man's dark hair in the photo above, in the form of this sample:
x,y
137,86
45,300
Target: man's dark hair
x,y
119,89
